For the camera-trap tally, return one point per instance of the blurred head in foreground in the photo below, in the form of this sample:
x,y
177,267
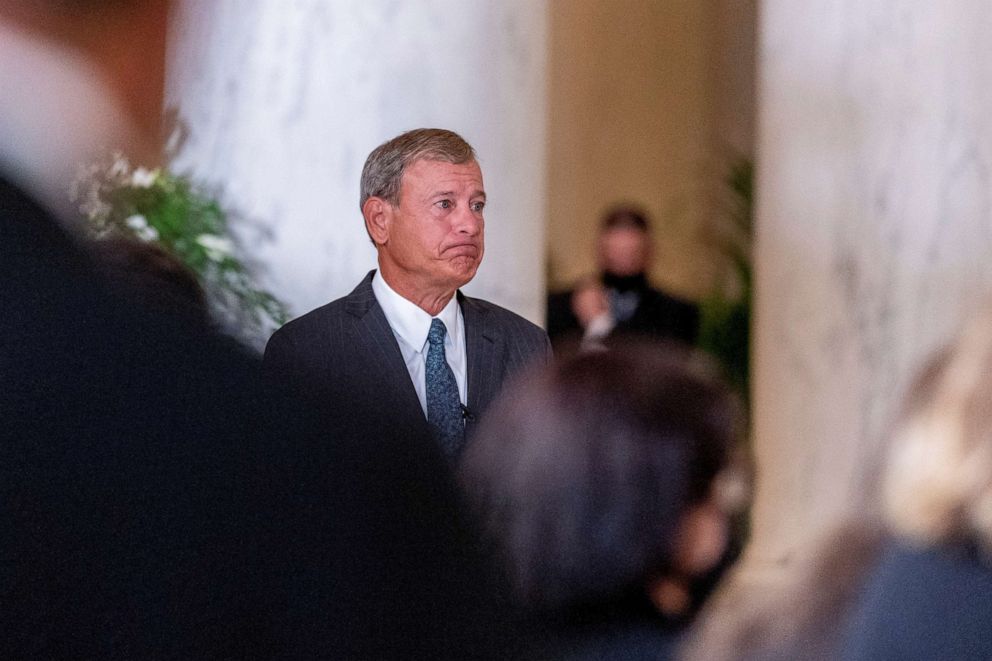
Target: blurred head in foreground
x,y
856,592
595,480
124,41
938,483
930,594
80,78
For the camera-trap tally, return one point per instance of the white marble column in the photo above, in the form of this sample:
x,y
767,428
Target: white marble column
x,y
284,101
874,232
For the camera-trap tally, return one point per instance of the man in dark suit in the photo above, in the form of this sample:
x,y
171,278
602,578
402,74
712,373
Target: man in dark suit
x,y
406,349
155,500
620,300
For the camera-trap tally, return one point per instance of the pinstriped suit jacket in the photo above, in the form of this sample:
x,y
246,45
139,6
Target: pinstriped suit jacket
x,y
346,355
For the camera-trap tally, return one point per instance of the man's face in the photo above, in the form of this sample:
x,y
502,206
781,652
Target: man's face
x,y
436,233
623,251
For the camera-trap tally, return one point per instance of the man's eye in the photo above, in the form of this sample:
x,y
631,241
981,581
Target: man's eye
x,y
444,204
478,206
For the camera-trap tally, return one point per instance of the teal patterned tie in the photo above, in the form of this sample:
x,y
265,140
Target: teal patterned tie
x,y
444,408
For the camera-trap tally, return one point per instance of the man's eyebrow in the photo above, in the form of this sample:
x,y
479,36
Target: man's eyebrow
x,y
451,193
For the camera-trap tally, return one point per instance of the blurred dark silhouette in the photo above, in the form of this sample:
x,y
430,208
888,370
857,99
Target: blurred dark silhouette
x,y
596,482
155,500
151,274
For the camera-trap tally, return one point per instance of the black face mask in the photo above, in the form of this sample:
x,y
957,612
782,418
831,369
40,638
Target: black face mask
x,y
623,283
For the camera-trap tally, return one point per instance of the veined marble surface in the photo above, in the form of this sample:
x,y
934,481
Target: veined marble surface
x,y
874,237
284,101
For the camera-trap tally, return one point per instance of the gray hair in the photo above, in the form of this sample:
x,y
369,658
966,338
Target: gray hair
x,y
384,167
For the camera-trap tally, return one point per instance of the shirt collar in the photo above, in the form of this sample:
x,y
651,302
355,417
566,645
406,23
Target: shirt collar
x,y
410,323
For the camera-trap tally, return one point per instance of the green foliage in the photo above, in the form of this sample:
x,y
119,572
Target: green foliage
x,y
725,333
168,209
725,322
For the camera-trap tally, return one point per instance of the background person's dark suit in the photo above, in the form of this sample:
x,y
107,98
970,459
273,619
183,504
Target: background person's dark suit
x,y
347,351
156,503
657,315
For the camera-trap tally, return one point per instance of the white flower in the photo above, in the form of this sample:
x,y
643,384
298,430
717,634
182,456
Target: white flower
x,y
217,247
148,234
137,222
139,225
143,178
119,167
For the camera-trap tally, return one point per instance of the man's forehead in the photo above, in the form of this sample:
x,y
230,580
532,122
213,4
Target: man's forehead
x,y
437,166
435,174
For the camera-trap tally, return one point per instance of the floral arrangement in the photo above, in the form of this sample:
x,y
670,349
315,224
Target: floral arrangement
x,y
158,206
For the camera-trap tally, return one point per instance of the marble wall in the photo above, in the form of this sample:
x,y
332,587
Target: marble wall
x,y
874,236
284,100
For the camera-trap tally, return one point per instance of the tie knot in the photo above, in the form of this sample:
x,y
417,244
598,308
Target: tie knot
x,y
437,332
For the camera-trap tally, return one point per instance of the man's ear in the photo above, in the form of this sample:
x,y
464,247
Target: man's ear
x,y
378,219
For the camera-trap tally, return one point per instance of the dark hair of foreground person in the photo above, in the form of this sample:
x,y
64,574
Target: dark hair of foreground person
x,y
596,481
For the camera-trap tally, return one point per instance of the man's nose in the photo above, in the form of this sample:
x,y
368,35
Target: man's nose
x,y
467,221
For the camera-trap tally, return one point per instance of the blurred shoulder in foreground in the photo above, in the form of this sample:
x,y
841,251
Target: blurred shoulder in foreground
x,y
158,502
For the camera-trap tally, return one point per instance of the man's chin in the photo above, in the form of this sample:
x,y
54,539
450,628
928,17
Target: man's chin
x,y
463,269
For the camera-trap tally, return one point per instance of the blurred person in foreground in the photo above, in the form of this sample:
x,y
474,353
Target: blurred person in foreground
x,y
620,301
930,594
151,274
154,501
406,348
599,483
909,574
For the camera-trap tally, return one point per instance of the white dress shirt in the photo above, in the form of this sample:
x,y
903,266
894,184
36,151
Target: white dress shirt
x,y
411,324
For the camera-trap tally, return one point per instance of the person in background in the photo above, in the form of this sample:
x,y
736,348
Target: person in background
x,y
634,306
600,484
156,502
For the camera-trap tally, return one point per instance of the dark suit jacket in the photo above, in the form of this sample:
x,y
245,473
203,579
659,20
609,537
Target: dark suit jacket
x,y
658,316
156,502
347,352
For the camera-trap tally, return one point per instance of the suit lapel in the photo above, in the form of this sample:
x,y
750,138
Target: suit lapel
x,y
375,341
376,344
481,340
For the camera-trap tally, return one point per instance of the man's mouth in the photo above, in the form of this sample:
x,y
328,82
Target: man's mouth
x,y
462,250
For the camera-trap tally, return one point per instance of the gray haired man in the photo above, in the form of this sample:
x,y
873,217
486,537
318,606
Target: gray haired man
x,y
406,348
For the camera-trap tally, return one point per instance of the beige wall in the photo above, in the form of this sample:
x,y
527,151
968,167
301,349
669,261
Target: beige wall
x,y
635,113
